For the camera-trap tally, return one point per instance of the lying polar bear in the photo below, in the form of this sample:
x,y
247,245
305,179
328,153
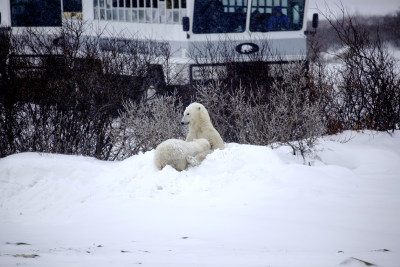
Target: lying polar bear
x,y
178,153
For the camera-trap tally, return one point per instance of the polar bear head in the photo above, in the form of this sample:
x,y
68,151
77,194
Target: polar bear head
x,y
194,113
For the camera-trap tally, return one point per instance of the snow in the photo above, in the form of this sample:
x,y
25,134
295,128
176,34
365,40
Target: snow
x,y
243,206
361,7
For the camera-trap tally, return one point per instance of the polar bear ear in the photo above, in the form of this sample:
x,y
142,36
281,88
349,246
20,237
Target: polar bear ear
x,y
199,108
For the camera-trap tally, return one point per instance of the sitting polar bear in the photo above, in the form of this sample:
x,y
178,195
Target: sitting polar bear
x,y
175,152
200,126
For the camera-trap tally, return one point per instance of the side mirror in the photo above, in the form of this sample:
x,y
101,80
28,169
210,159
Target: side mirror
x,y
315,21
185,24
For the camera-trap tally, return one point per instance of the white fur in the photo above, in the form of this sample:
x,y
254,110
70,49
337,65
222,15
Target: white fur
x,y
175,152
200,126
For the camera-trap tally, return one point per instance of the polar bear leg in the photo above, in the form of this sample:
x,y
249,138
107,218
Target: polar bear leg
x,y
198,159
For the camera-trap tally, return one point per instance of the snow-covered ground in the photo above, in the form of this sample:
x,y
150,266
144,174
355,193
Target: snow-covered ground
x,y
244,206
332,54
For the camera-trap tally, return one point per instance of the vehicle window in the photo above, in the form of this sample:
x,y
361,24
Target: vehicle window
x,y
276,15
72,5
143,11
40,13
219,16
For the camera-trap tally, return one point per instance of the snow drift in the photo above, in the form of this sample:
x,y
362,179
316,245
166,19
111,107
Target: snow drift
x,y
243,206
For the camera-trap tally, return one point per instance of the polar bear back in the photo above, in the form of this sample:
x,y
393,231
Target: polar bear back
x,y
174,152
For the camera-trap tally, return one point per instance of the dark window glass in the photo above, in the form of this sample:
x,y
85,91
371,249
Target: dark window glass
x,y
277,15
72,5
183,3
115,3
134,3
155,3
41,13
215,16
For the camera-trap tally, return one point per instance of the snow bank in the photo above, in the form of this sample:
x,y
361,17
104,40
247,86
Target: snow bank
x,y
243,206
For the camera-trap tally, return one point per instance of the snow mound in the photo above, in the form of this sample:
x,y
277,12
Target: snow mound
x,y
243,206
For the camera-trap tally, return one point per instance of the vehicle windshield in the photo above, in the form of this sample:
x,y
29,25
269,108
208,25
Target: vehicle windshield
x,y
229,16
276,15
216,16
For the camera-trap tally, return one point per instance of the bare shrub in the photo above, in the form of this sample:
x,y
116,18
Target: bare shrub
x,y
144,125
60,90
291,112
297,110
326,38
368,84
254,101
223,107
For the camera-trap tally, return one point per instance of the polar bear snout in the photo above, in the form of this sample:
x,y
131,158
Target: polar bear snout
x,y
184,123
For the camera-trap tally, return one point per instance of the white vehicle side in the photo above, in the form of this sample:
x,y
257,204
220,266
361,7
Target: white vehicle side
x,y
241,23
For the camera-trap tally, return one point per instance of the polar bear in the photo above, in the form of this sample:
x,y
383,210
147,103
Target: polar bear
x,y
175,152
200,126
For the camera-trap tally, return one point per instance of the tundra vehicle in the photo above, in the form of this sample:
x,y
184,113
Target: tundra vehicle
x,y
202,35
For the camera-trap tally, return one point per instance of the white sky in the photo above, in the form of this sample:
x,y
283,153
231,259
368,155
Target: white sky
x,y
363,7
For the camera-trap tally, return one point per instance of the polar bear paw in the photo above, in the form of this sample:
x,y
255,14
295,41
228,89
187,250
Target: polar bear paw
x,y
192,161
